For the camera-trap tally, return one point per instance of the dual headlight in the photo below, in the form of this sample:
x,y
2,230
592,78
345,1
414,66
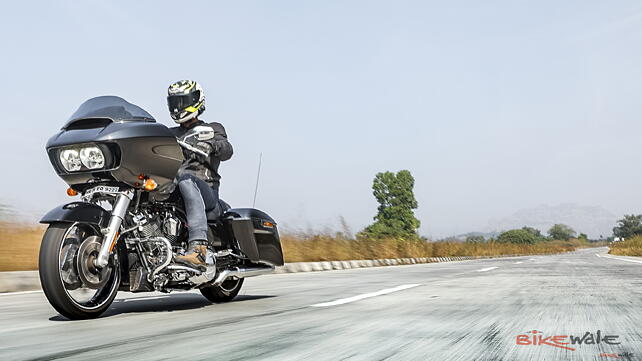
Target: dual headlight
x,y
72,159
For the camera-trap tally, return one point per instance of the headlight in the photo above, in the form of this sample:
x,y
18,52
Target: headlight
x,y
70,159
92,157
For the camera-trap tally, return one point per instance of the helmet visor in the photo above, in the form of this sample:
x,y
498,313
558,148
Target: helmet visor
x,y
177,103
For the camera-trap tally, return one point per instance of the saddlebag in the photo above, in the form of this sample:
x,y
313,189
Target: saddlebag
x,y
256,234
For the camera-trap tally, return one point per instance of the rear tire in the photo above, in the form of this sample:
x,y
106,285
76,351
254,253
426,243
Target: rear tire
x,y
50,267
223,293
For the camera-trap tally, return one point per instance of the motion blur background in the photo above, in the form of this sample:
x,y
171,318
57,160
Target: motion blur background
x,y
494,107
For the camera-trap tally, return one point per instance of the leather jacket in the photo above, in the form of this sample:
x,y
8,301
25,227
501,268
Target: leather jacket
x,y
217,148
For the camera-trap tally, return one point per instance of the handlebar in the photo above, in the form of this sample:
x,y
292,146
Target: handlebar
x,y
193,149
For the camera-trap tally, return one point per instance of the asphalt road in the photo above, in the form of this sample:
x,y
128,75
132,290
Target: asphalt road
x,y
470,310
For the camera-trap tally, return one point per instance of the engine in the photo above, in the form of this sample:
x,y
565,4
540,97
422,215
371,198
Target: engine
x,y
155,235
158,224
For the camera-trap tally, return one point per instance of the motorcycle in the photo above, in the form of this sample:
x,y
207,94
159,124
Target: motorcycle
x,y
130,223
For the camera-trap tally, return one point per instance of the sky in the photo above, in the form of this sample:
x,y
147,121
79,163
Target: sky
x,y
493,106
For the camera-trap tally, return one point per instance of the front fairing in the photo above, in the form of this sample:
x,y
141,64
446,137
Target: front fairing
x,y
132,141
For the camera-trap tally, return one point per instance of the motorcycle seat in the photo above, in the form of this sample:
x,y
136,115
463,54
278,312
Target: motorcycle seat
x,y
217,212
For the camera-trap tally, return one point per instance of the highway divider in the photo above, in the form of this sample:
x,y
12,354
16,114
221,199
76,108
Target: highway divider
x,y
341,265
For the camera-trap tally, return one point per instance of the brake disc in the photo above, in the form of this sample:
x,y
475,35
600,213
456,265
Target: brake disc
x,y
90,275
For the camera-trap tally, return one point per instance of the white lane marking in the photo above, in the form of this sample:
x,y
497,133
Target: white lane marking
x,y
365,295
142,298
598,255
19,293
486,269
519,262
621,259
531,259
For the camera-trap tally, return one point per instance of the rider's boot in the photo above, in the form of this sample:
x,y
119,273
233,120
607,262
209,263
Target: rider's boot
x,y
195,256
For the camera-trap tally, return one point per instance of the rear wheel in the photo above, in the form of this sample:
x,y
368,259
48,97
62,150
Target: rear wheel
x,y
224,292
71,282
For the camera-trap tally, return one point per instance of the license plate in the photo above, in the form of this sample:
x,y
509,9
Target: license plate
x,y
102,189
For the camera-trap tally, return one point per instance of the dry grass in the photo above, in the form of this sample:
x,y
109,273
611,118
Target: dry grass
x,y
630,247
20,243
305,248
19,246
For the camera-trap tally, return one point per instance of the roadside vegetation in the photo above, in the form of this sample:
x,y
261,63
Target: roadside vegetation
x,y
393,234
628,247
19,246
308,248
629,236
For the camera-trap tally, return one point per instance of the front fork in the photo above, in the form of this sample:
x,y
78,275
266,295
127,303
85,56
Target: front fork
x,y
119,210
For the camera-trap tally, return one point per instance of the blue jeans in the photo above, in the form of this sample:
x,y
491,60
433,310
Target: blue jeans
x,y
199,198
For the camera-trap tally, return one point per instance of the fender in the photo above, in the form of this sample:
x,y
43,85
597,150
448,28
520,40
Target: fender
x,y
82,212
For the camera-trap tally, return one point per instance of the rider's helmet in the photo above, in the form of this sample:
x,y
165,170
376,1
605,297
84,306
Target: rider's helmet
x,y
185,100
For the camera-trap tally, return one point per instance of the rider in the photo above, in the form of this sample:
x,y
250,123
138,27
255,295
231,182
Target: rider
x,y
198,178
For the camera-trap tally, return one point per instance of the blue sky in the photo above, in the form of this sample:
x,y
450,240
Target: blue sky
x,y
493,106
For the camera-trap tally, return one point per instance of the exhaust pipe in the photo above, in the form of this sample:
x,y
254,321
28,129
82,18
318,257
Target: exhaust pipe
x,y
201,277
242,273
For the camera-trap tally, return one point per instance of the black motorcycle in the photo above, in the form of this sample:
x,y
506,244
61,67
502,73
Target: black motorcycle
x,y
130,223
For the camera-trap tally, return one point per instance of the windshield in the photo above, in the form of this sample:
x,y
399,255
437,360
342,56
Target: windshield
x,y
110,107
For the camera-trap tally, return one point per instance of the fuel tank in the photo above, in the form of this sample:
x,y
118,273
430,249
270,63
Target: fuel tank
x,y
132,142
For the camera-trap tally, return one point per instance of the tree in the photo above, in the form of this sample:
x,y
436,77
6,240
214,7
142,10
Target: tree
x,y
535,232
583,236
629,226
395,217
561,232
517,236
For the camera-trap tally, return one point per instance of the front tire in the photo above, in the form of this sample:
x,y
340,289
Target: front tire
x,y
59,267
223,293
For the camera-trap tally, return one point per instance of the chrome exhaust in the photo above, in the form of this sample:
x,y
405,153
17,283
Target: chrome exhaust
x,y
176,267
241,273
205,278
168,259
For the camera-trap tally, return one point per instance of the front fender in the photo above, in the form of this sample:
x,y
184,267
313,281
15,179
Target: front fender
x,y
82,212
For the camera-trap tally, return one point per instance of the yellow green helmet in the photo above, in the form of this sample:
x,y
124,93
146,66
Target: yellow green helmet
x,y
185,100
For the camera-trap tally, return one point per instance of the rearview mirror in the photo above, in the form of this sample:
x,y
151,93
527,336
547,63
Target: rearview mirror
x,y
204,133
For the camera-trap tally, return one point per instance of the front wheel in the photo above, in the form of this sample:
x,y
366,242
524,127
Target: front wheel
x,y
225,292
71,282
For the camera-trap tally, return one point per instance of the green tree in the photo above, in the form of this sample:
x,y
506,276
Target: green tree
x,y
583,236
517,236
395,217
535,232
561,232
629,226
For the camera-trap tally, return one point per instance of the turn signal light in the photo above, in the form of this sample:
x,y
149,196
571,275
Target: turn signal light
x,y
150,184
268,224
141,176
71,192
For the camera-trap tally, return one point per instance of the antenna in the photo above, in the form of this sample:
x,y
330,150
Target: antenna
x,y
258,174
